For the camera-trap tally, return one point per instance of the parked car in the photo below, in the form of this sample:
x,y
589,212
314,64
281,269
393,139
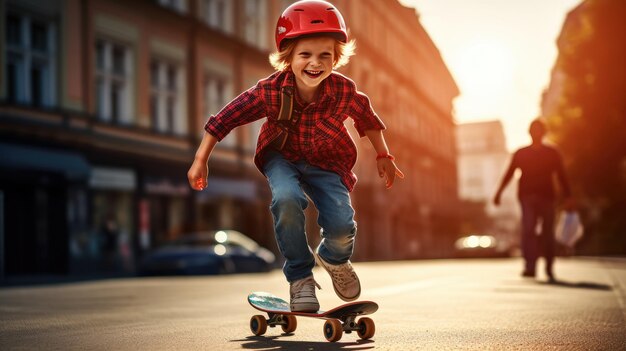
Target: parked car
x,y
480,246
215,252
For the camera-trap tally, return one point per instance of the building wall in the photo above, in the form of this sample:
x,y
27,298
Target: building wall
x,y
137,172
402,72
551,96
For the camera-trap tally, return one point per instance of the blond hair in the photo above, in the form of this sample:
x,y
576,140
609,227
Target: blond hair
x,y
281,60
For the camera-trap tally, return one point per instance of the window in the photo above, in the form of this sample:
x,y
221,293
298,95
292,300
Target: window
x,y
217,95
113,82
219,14
255,20
30,60
166,97
179,6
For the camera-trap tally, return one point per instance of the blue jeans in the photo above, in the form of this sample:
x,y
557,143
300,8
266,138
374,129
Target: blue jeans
x,y
535,207
290,183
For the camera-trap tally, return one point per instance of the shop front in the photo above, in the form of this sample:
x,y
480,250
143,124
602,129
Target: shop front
x,y
41,192
108,247
164,211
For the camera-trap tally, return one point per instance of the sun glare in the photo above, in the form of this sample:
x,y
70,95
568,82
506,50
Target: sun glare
x,y
483,68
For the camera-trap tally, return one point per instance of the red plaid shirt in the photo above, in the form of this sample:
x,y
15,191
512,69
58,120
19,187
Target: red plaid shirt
x,y
319,137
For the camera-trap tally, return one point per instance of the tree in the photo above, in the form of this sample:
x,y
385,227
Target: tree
x,y
589,124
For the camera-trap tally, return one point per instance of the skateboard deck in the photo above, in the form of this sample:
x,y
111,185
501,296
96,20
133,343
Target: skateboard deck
x,y
338,320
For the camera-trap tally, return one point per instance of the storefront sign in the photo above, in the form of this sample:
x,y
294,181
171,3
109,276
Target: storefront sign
x,y
112,179
165,186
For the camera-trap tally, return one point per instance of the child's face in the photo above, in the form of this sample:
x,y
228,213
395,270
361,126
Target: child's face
x,y
312,61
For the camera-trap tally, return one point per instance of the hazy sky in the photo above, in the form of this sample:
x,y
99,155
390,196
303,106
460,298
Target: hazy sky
x,y
500,53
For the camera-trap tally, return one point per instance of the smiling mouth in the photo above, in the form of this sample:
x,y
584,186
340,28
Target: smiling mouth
x,y
313,74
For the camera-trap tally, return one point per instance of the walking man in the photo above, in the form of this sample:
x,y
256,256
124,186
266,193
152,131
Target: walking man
x,y
538,163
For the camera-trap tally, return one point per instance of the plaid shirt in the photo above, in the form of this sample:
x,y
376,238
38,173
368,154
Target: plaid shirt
x,y
319,137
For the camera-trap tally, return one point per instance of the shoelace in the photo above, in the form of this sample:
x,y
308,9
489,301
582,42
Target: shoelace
x,y
342,274
304,288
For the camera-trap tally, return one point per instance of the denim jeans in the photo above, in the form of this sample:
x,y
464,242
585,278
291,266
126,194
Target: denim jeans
x,y
291,183
535,207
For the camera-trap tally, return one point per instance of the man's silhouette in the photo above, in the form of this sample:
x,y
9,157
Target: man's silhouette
x,y
538,163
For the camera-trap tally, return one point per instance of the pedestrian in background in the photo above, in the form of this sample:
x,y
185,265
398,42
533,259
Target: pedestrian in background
x,y
109,242
539,163
304,148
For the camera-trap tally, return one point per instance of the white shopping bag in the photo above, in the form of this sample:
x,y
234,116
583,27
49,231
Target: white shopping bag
x,y
569,228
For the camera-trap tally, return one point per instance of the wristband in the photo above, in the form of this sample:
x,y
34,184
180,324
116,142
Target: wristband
x,y
385,155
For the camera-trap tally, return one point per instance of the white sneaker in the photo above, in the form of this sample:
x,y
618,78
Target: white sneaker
x,y
302,295
345,281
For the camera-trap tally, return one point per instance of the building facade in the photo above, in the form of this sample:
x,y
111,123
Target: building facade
x,y
552,95
103,102
399,67
482,161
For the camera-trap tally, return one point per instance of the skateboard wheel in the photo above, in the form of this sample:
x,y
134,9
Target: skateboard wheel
x,y
258,325
333,330
366,328
291,324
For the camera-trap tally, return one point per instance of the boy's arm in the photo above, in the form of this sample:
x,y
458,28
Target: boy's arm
x,y
367,123
247,107
384,161
199,170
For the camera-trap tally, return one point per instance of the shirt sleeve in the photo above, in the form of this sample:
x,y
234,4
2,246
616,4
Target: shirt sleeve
x,y
248,107
363,114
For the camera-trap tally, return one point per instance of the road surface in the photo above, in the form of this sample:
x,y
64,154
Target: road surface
x,y
424,305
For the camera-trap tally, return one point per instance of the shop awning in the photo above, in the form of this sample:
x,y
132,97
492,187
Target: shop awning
x,y
20,157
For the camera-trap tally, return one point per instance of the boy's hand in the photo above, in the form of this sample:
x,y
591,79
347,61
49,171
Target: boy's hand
x,y
197,175
387,169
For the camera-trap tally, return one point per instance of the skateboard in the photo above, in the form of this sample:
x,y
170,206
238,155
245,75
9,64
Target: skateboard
x,y
338,320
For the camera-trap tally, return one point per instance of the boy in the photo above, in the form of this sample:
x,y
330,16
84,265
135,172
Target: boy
x,y
303,148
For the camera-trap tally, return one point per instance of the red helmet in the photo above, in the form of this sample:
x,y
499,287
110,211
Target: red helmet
x,y
308,17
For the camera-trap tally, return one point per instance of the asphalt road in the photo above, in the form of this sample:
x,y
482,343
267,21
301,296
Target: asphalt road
x,y
424,305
